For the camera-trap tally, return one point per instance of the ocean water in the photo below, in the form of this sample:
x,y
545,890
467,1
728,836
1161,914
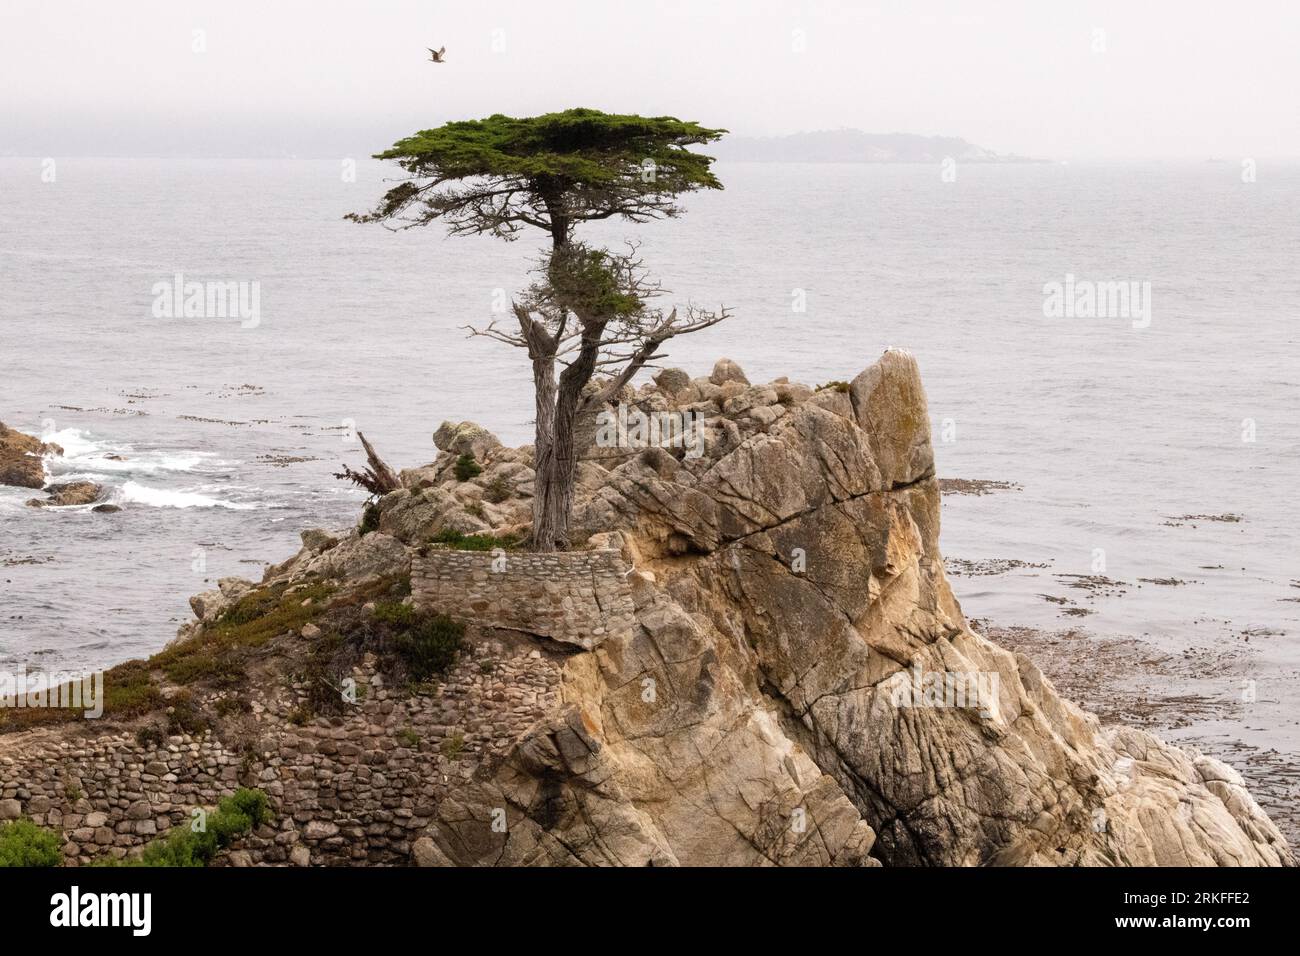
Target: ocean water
x,y
226,436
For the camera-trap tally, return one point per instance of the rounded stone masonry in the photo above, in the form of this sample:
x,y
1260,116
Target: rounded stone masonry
x,y
575,597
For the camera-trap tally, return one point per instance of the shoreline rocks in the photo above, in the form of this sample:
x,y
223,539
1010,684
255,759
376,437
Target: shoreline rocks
x,y
21,457
66,494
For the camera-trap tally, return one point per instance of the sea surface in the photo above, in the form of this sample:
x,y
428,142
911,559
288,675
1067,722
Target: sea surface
x,y
1155,463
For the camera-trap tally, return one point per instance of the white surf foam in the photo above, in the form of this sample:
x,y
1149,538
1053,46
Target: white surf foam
x,y
139,494
82,453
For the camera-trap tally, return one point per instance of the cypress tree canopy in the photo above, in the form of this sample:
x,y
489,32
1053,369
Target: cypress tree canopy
x,y
499,174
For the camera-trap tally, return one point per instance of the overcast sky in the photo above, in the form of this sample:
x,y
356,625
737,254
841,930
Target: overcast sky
x,y
1048,78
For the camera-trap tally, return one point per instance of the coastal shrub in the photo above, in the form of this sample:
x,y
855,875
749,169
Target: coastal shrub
x,y
251,621
184,716
327,665
150,736
835,386
412,646
430,645
229,706
252,803
369,519
128,692
395,613
467,468
427,643
473,542
213,656
235,816
373,589
23,843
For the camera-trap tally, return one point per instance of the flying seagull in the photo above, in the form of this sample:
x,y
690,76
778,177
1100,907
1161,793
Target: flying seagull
x,y
435,56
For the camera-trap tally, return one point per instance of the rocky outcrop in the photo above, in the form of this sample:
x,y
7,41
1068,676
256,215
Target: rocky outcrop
x,y
20,458
68,493
753,658
464,438
803,688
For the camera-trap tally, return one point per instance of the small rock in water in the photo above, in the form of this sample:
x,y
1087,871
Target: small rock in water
x,y
68,493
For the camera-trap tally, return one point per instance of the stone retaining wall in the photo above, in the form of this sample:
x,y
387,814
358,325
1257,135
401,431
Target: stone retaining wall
x,y
578,597
357,788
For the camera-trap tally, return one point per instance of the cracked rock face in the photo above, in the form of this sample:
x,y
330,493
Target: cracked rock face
x,y
800,686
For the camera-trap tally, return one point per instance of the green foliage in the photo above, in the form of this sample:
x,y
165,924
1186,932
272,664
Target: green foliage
x,y
216,655
429,645
252,804
834,386
395,613
235,815
23,843
547,171
467,468
369,519
229,706
592,282
452,747
128,692
184,716
253,620
473,542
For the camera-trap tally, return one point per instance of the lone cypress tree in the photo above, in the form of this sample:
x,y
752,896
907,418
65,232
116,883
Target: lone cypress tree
x,y
552,172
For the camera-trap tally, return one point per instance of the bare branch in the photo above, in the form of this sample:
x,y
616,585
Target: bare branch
x,y
377,478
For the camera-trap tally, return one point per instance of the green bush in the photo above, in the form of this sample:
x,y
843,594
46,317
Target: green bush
x,y
430,645
467,468
369,519
23,843
252,803
395,613
185,716
235,815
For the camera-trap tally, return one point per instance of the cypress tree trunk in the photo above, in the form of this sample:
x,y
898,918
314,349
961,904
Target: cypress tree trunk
x,y
550,519
556,458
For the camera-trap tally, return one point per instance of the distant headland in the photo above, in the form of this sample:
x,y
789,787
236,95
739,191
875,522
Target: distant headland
x,y
855,146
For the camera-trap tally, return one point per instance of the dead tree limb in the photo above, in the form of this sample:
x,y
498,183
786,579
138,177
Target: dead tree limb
x,y
378,478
